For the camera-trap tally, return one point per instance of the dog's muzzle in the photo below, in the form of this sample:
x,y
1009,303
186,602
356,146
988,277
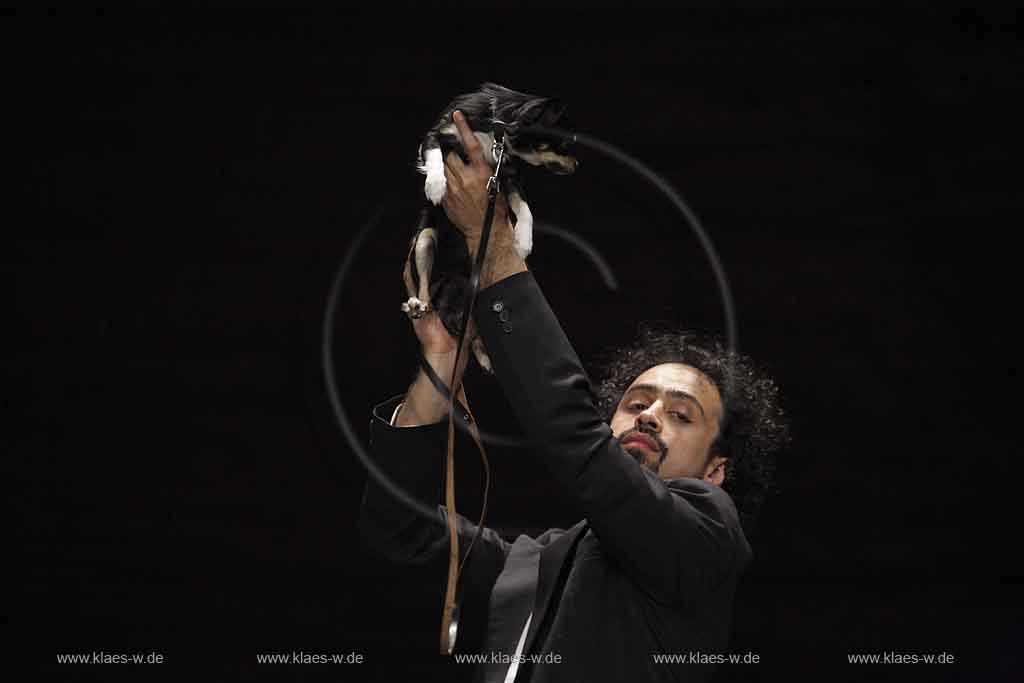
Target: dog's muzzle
x,y
565,166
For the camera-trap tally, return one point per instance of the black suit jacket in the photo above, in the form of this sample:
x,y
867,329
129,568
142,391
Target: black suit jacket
x,y
652,569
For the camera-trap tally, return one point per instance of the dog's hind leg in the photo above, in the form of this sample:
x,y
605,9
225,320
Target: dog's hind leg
x,y
481,355
423,259
426,248
524,224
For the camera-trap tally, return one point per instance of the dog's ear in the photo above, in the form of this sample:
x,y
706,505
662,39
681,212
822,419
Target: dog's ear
x,y
553,110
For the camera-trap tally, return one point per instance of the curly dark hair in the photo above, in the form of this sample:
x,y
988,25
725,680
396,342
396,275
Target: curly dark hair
x,y
754,429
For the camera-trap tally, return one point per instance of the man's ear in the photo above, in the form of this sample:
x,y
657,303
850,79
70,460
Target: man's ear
x,y
715,470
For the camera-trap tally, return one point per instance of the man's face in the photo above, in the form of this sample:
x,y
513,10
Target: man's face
x,y
668,418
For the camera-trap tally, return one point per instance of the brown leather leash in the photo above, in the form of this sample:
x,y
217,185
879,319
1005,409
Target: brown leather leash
x,y
450,615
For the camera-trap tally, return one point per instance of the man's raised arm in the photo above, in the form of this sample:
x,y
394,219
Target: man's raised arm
x,y
675,542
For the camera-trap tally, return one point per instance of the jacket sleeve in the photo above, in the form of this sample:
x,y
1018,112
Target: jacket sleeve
x,y
412,457
676,539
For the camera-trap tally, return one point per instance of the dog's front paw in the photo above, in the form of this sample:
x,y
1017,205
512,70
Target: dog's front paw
x,y
415,308
435,187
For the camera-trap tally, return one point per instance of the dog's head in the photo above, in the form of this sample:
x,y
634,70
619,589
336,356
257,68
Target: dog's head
x,y
521,112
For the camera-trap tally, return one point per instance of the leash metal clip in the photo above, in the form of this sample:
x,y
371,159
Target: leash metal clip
x,y
498,154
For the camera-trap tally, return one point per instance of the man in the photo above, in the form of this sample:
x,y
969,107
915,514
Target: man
x,y
652,569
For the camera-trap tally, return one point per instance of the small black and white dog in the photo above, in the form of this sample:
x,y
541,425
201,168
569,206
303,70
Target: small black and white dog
x,y
440,263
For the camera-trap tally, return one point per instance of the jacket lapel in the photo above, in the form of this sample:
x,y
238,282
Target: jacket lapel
x,y
510,603
553,569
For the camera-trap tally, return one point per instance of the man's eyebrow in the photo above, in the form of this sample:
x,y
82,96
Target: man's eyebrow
x,y
674,393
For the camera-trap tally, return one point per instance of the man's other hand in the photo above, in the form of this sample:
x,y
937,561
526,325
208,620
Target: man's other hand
x,y
430,331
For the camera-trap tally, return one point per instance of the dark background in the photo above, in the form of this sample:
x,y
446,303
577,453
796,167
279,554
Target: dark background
x,y
186,187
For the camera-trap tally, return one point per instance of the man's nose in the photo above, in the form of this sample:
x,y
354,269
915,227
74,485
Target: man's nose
x,y
648,420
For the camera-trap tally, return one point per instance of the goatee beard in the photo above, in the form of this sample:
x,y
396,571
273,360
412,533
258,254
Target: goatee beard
x,y
651,461
648,460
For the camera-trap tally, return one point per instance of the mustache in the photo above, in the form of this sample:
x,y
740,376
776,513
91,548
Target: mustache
x,y
662,448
